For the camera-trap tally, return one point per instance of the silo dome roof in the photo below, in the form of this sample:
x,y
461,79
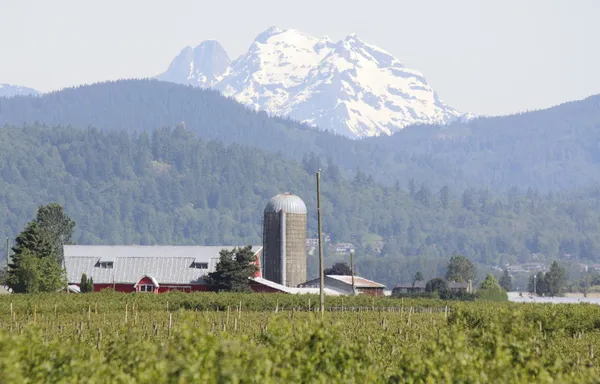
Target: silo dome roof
x,y
290,203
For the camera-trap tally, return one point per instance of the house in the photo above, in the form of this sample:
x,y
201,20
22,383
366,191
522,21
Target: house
x,y
460,287
153,268
419,287
343,285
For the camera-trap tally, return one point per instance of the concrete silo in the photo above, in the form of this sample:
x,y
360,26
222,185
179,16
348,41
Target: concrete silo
x,y
284,240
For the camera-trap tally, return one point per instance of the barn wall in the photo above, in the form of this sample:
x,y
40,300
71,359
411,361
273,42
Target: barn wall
x,y
128,287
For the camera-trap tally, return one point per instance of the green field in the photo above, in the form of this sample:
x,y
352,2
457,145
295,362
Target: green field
x,y
209,338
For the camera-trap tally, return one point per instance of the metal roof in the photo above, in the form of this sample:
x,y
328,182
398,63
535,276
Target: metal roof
x,y
166,264
423,284
359,282
417,284
294,290
287,202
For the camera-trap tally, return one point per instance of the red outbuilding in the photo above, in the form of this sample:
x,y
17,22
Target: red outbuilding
x,y
152,269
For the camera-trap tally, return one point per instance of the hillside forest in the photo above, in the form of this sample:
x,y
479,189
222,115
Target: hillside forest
x,y
549,150
168,186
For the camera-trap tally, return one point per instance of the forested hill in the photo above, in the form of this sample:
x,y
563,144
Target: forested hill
x,y
169,187
552,149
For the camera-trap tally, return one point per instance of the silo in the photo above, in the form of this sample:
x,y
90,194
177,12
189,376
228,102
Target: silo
x,y
284,240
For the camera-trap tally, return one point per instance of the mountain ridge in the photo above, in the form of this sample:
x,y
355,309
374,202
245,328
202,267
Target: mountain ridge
x,y
348,86
11,90
552,149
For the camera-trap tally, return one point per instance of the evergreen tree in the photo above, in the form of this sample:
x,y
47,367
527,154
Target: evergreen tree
x,y
36,274
90,284
34,265
233,270
83,284
56,226
506,281
555,279
537,284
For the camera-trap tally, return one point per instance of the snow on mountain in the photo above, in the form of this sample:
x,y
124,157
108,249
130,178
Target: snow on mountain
x,y
201,66
348,86
8,90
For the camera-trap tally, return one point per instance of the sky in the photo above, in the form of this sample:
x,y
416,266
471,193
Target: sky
x,y
483,57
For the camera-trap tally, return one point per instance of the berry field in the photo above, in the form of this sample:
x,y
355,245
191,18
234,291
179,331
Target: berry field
x,y
237,338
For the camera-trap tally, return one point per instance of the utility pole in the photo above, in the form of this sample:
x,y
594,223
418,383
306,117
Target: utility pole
x,y
7,252
352,272
321,269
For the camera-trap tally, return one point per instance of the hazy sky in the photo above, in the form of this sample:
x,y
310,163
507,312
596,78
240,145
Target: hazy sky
x,y
480,56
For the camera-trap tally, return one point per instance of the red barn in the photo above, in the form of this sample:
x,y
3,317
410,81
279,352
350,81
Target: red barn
x,y
153,268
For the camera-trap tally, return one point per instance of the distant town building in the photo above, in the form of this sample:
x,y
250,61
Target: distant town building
x,y
344,247
314,241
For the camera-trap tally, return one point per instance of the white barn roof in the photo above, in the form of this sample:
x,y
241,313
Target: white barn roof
x,y
167,264
359,282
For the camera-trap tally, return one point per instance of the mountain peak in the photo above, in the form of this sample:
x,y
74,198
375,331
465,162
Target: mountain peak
x,y
201,66
352,37
349,86
271,31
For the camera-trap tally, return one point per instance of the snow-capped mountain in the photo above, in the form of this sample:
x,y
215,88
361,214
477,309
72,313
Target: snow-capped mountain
x,y
8,90
348,86
202,66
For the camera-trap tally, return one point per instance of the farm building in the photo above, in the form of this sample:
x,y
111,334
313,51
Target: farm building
x,y
284,240
419,287
154,269
343,285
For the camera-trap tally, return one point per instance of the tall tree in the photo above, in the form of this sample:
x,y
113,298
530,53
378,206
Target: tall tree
x,y
31,238
36,274
34,266
83,283
537,284
506,281
460,269
338,269
56,226
555,279
233,270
